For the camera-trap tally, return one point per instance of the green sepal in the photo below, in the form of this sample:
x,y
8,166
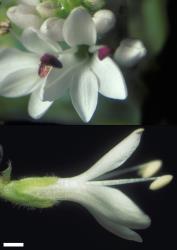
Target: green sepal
x,y
6,174
24,192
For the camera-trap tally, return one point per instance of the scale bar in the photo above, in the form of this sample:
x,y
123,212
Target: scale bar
x,y
17,244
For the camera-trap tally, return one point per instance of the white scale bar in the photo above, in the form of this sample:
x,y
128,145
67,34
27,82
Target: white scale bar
x,y
19,244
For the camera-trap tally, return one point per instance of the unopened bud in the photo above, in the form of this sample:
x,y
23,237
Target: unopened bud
x,y
46,9
104,21
130,52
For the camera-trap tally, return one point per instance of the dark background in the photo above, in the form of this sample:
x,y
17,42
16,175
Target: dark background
x,y
69,150
161,81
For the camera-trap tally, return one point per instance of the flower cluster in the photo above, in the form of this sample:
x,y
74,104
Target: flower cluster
x,y
109,206
64,51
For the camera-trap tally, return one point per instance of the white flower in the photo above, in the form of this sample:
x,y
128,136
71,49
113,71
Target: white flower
x,y
111,207
87,72
23,73
87,69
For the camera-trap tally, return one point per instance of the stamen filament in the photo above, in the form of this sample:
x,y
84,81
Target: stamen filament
x,y
137,168
122,181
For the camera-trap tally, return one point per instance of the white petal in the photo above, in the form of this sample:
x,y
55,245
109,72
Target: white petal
x,y
24,16
56,84
84,93
79,28
130,52
108,209
111,204
53,28
118,230
104,21
19,83
112,83
59,80
38,43
36,107
114,158
118,207
14,59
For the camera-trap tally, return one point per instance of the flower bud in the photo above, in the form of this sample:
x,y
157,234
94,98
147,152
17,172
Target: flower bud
x,y
53,28
94,5
104,21
24,16
46,9
130,52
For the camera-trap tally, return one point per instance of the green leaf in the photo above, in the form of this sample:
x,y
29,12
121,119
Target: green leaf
x,y
148,22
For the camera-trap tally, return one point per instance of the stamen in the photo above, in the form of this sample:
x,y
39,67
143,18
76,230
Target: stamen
x,y
43,70
104,52
158,182
149,169
122,181
144,170
161,182
47,62
51,60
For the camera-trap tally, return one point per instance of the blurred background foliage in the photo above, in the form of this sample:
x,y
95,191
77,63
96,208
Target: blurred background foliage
x,y
147,20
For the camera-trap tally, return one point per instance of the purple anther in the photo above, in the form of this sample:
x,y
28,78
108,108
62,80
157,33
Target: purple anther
x,y
50,60
104,52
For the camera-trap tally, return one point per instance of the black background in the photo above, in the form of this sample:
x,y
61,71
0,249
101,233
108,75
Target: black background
x,y
67,151
161,82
